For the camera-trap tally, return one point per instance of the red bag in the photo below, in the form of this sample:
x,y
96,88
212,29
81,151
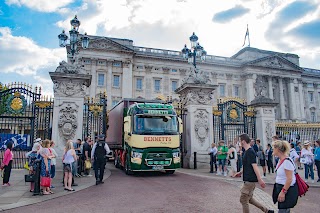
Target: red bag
x,y
302,185
45,181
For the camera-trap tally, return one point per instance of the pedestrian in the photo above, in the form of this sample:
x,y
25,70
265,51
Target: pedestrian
x,y
32,157
261,157
294,155
98,155
7,164
285,190
251,175
222,158
317,158
239,154
268,154
45,170
53,155
233,157
274,138
69,157
298,149
307,158
87,148
213,156
78,163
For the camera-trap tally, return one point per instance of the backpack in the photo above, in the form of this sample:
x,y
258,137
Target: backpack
x,y
100,151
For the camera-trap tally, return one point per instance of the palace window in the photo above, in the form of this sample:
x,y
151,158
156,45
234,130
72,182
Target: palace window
x,y
157,85
222,90
116,64
310,95
139,84
116,81
114,102
236,91
313,117
310,85
100,79
174,85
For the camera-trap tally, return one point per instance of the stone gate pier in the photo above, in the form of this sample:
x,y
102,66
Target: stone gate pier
x,y
196,96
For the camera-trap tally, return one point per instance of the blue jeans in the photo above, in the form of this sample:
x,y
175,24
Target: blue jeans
x,y
308,168
53,171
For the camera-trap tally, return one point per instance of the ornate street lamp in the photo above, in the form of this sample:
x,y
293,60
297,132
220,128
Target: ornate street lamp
x,y
75,37
195,52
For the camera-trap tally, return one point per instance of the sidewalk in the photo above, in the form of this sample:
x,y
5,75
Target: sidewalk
x,y
270,178
18,193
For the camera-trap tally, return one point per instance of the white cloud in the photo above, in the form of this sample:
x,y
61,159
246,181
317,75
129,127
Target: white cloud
x,y
26,61
41,5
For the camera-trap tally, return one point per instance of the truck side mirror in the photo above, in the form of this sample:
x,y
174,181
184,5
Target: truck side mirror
x,y
180,125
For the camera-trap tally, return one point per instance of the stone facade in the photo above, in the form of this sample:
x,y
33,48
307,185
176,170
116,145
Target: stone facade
x,y
125,70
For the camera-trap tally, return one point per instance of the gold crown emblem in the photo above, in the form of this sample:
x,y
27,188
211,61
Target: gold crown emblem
x,y
17,94
233,106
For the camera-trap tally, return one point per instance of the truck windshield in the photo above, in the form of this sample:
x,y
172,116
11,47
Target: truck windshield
x,y
161,125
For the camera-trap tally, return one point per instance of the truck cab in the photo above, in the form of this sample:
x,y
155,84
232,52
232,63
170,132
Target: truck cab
x,y
151,136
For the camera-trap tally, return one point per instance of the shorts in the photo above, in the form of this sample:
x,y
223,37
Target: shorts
x,y
67,168
222,162
262,162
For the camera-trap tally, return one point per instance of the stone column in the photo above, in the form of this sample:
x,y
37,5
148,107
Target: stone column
x,y
270,87
282,108
94,77
70,88
197,101
109,84
127,80
292,100
249,85
302,112
265,119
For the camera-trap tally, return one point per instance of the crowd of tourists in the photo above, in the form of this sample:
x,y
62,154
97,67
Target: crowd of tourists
x,y
77,160
281,157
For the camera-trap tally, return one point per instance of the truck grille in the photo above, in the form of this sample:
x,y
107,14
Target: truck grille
x,y
157,155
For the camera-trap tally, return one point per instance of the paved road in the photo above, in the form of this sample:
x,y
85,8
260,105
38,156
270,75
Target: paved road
x,y
157,194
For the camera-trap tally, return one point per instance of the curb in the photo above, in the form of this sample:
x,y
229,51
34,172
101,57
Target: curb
x,y
39,199
232,179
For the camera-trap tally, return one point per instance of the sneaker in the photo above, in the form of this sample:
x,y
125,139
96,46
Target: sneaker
x,y
97,182
5,184
263,176
218,173
225,174
270,211
89,175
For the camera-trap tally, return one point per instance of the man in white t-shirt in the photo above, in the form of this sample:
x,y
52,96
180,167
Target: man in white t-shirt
x,y
294,155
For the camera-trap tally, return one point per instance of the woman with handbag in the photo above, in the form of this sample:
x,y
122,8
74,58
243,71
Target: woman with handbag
x,y
308,160
45,180
7,164
32,157
69,157
285,190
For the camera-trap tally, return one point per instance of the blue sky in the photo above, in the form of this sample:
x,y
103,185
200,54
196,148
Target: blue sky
x,y
29,29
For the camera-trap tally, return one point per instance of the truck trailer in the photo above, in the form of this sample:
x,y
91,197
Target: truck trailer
x,y
144,136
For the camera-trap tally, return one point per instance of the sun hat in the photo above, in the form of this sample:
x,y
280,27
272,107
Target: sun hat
x,y
305,143
38,140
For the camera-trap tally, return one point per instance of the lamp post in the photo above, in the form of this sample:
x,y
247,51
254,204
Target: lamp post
x,y
195,52
75,37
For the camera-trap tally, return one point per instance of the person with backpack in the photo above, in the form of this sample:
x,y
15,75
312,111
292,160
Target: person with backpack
x,y
98,155
262,158
233,157
285,191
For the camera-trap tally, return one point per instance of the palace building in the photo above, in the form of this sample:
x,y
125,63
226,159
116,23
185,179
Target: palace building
x,y
127,71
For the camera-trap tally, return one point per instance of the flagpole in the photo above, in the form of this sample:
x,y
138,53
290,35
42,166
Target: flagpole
x,y
248,35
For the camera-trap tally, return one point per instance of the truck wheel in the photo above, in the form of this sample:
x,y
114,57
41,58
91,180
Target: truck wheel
x,y
126,168
170,172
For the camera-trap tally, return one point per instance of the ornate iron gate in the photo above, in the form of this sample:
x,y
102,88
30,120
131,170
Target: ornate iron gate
x,y
231,118
95,116
24,115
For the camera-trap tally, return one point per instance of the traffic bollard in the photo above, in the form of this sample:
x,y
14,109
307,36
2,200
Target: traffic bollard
x,y
36,190
211,162
195,160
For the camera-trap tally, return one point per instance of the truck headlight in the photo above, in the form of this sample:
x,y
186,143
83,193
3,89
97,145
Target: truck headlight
x,y
176,154
136,154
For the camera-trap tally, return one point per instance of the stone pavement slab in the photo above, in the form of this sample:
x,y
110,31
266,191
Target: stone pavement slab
x,y
18,193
